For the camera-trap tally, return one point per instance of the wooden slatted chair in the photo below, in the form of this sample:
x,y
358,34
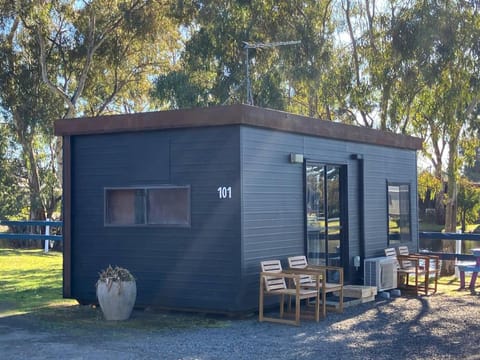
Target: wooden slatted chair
x,y
272,282
414,271
308,281
430,269
403,251
405,266
404,269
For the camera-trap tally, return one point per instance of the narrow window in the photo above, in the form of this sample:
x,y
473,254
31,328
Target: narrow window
x,y
399,226
167,206
121,206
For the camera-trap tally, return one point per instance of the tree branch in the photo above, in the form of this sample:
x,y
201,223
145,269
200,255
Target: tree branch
x,y
44,71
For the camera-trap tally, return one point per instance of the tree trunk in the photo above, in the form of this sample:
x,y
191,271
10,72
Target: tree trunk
x,y
37,208
451,201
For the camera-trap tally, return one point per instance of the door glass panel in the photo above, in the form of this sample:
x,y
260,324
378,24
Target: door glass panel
x,y
323,211
333,215
316,227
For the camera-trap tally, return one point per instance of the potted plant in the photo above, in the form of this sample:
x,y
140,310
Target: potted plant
x,y
116,293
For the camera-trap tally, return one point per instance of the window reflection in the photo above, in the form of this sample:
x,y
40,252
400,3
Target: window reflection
x,y
399,227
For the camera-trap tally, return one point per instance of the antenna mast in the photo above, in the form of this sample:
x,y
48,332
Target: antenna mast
x,y
247,46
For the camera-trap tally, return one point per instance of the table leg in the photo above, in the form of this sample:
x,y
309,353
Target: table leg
x,y
473,280
462,279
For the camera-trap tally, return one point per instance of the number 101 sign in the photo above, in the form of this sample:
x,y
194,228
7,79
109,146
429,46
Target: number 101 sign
x,y
224,192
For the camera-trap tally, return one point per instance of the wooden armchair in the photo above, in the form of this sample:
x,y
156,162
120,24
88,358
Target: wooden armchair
x,y
429,265
272,282
308,279
415,270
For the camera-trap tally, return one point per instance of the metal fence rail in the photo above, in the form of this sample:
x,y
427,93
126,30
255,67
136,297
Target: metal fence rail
x,y
47,236
433,236
458,238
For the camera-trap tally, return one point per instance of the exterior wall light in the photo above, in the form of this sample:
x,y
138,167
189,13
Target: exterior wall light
x,y
296,158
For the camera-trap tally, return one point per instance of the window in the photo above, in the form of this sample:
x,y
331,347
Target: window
x,y
399,229
165,205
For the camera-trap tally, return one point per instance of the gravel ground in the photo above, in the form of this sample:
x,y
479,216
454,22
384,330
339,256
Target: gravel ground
x,y
434,327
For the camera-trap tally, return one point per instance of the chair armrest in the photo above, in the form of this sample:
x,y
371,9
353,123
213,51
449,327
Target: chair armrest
x,y
326,268
280,274
320,275
412,258
306,271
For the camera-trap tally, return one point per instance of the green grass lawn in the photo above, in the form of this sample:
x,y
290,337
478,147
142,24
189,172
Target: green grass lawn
x,y
30,280
31,284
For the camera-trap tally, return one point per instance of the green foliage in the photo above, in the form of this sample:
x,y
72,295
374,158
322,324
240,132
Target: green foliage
x,y
434,40
472,172
13,196
428,186
282,77
409,68
177,90
70,58
468,202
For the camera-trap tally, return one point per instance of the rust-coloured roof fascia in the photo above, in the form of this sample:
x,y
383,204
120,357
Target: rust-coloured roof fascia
x,y
233,115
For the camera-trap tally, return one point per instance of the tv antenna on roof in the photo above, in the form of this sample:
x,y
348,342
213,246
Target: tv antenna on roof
x,y
247,46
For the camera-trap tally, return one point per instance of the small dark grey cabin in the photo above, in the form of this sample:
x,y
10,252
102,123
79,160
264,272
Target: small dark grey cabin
x,y
192,200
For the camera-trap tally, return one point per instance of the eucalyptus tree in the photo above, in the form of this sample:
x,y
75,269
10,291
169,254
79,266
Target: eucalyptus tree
x,y
65,58
12,177
468,203
28,109
381,91
472,170
438,41
315,81
213,64
288,56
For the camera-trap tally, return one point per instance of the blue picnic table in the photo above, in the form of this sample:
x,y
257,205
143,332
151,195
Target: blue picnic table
x,y
473,268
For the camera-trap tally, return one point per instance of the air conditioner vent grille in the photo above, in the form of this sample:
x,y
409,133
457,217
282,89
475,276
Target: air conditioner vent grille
x,y
380,272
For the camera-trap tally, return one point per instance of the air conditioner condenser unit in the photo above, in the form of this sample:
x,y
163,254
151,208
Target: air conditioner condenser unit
x,y
380,272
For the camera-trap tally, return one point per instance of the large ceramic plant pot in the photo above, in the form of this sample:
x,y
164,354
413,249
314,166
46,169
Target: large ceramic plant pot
x,y
116,298
116,293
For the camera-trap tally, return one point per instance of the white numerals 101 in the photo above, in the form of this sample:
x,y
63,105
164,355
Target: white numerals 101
x,y
224,192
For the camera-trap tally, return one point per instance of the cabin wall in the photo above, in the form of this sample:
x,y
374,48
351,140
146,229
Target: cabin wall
x,y
273,196
392,165
182,267
213,265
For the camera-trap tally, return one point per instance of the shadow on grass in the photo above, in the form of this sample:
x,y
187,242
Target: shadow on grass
x,y
27,252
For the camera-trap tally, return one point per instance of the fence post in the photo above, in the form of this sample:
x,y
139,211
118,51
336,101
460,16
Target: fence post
x,y
47,232
458,250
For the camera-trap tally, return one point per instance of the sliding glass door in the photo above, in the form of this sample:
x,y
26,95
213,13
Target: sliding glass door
x,y
325,213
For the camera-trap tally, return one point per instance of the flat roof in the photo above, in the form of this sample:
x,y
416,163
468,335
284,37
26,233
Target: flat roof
x,y
233,115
